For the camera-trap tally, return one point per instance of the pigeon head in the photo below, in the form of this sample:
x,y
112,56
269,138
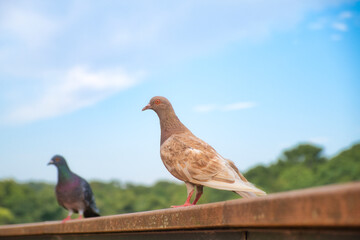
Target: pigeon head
x,y
159,104
169,122
58,161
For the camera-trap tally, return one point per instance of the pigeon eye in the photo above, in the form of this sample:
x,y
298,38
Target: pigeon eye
x,y
157,101
57,159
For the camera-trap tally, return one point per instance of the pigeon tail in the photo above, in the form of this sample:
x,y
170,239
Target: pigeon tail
x,y
244,189
91,213
254,192
250,194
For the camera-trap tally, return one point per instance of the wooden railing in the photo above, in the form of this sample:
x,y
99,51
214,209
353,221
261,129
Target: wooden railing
x,y
329,212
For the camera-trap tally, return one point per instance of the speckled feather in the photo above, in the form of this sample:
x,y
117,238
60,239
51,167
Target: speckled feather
x,y
192,160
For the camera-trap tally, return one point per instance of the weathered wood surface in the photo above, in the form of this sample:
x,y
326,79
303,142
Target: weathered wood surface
x,y
311,213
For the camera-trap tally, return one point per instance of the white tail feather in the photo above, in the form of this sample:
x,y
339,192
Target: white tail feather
x,y
255,192
244,189
251,194
247,194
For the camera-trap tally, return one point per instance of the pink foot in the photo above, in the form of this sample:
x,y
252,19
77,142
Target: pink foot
x,y
66,219
184,205
80,217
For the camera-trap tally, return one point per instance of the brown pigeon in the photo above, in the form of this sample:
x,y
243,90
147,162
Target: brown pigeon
x,y
192,160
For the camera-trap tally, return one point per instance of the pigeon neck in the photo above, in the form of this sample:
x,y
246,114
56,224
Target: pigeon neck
x,y
64,173
170,124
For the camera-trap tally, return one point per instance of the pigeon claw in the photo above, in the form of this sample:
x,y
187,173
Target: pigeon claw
x,y
184,205
66,219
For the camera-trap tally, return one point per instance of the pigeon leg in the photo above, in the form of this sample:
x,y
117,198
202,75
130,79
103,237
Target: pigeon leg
x,y
199,192
190,191
81,214
68,217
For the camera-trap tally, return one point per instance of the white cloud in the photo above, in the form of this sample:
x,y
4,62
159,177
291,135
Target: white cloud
x,y
41,35
345,15
318,24
75,88
227,107
238,106
26,26
340,26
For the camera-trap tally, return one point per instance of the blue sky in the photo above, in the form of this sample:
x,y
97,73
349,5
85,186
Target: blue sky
x,y
251,78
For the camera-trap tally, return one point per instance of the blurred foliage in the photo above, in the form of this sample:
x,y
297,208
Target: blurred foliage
x,y
300,167
304,166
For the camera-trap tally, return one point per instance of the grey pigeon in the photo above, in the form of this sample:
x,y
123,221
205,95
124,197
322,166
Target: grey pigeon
x,y
73,192
192,160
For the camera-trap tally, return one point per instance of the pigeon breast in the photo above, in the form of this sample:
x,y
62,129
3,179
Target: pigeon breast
x,y
70,195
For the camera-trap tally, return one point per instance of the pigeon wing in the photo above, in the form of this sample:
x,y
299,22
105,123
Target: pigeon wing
x,y
197,162
91,210
193,159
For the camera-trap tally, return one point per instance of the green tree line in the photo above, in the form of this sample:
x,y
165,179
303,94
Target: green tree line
x,y
299,167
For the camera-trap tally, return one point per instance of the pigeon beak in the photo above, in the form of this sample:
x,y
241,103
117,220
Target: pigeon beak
x,y
51,162
147,107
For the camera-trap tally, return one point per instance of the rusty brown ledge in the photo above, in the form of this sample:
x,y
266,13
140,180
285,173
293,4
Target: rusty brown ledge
x,y
334,206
